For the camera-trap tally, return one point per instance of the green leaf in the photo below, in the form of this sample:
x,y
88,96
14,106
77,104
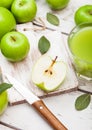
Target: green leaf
x,y
53,19
43,44
82,101
4,86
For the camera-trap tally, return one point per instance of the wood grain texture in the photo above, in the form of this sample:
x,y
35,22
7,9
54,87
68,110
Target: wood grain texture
x,y
48,115
22,70
66,16
23,116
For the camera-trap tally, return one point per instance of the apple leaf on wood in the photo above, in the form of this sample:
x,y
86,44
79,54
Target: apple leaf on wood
x,y
43,45
82,101
53,19
4,86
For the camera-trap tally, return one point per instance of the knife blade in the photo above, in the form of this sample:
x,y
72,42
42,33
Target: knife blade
x,y
37,103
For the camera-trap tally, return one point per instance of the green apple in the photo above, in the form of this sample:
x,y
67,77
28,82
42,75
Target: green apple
x,y
48,74
3,102
14,46
6,3
83,14
57,4
7,21
24,10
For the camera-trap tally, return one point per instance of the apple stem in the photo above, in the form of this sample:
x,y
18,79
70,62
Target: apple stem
x,y
21,3
13,38
90,12
49,70
53,61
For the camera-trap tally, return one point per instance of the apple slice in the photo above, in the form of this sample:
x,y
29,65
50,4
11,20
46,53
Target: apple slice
x,y
48,74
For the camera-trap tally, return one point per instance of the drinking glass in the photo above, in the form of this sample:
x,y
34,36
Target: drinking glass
x,y
80,49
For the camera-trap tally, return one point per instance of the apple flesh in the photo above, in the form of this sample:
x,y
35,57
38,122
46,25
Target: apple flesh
x,y
24,10
15,46
7,21
6,3
3,102
57,4
48,74
83,14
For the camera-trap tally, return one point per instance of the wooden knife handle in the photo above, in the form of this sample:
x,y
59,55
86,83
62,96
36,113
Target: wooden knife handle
x,y
48,115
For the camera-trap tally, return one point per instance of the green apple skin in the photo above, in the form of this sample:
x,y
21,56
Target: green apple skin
x,y
3,102
24,10
57,4
6,3
83,14
44,80
44,88
7,21
14,46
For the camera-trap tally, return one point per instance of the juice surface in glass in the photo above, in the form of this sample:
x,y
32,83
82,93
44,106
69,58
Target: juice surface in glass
x,y
80,44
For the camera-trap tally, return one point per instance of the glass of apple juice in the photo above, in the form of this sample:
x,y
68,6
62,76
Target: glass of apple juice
x,y
80,49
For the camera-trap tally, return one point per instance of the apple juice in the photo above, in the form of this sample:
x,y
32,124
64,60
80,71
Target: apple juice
x,y
80,44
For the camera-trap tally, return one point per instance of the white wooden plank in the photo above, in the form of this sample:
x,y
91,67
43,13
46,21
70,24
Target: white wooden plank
x,y
7,126
85,85
26,118
4,128
66,15
22,70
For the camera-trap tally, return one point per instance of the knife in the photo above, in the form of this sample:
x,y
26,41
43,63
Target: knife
x,y
37,103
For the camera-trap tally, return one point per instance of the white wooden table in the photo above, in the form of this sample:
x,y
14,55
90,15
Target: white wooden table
x,y
23,116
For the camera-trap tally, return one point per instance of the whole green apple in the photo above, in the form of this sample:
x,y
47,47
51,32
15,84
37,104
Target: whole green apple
x,y
83,14
14,46
6,3
57,4
3,102
7,21
48,74
24,10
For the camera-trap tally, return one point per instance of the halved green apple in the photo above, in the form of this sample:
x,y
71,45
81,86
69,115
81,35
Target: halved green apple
x,y
48,74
